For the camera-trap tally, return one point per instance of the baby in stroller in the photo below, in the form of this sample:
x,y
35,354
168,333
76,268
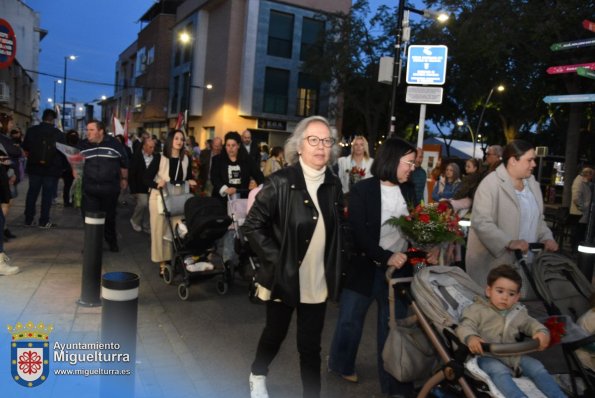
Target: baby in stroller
x,y
501,319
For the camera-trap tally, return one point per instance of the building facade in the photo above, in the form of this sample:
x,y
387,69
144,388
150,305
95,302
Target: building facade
x,y
143,70
250,52
18,86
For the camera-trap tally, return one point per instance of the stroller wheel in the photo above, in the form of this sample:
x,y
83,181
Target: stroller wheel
x,y
222,287
183,291
168,274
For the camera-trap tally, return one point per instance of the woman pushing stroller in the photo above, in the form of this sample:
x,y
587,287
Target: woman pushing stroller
x,y
507,213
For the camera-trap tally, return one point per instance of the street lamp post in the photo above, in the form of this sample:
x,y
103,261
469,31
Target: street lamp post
x,y
441,17
56,82
500,88
72,58
460,123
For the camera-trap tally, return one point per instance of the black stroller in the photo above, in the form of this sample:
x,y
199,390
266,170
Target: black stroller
x,y
563,289
206,221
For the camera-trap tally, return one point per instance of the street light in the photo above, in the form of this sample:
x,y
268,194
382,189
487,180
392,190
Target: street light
x,y
72,58
500,88
56,82
441,17
461,123
50,100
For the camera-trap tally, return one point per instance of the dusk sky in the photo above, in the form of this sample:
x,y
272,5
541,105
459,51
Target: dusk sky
x,y
96,32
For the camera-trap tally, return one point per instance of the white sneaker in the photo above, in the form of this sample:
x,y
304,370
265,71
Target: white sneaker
x,y
4,257
6,269
258,386
135,226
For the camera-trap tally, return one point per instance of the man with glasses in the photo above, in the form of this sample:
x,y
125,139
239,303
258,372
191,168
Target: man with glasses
x,y
493,157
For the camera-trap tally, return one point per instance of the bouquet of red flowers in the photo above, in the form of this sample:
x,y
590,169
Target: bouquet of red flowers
x,y
430,224
356,174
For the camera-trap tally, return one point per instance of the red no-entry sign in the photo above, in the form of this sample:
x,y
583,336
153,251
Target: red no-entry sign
x,y
8,44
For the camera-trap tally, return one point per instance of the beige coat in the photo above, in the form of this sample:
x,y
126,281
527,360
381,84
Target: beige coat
x,y
495,222
161,250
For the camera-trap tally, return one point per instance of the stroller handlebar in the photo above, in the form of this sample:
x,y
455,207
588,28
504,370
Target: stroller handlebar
x,y
535,247
511,348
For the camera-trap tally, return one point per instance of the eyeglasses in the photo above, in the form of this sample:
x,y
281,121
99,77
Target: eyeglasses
x,y
409,163
314,141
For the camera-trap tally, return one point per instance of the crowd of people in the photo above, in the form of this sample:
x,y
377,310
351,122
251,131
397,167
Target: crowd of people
x,y
296,225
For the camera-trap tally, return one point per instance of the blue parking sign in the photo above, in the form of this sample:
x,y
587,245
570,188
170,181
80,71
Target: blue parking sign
x,y
426,64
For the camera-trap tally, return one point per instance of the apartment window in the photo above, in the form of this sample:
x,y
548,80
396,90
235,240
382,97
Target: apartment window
x,y
312,31
280,34
307,95
187,47
174,97
141,60
276,87
184,101
177,52
151,55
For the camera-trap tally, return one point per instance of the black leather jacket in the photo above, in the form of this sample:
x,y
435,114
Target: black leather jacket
x,y
280,225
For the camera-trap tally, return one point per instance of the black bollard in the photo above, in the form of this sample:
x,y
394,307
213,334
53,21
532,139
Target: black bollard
x,y
119,294
92,258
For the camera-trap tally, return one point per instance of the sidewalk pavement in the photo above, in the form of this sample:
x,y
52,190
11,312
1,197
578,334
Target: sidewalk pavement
x,y
199,348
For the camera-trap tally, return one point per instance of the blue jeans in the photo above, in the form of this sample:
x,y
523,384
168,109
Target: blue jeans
x,y
531,368
348,332
48,186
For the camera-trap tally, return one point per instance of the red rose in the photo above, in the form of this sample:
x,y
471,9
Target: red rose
x,y
443,206
425,218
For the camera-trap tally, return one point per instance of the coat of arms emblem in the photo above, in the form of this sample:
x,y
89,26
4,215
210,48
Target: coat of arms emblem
x,y
30,353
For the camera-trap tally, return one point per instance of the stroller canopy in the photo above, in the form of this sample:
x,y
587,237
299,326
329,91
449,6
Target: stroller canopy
x,y
443,292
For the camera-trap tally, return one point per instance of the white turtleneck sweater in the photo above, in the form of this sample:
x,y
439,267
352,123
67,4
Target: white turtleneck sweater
x,y
313,289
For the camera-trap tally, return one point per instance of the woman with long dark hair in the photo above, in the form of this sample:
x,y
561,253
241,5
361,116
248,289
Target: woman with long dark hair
x,y
174,167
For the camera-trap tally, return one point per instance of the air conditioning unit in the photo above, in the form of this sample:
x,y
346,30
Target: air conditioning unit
x,y
4,92
541,151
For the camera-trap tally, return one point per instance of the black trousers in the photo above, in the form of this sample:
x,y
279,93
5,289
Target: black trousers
x,y
310,322
106,203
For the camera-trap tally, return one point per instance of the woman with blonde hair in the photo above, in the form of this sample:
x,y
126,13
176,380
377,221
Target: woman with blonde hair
x,y
357,165
448,184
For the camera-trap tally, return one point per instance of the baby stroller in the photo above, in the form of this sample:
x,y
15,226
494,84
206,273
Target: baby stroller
x,y
247,261
194,243
438,295
565,293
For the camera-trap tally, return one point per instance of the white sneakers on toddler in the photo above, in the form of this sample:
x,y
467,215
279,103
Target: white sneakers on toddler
x,y
258,386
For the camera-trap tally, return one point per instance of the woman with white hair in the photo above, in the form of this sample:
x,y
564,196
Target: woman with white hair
x,y
356,166
293,227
